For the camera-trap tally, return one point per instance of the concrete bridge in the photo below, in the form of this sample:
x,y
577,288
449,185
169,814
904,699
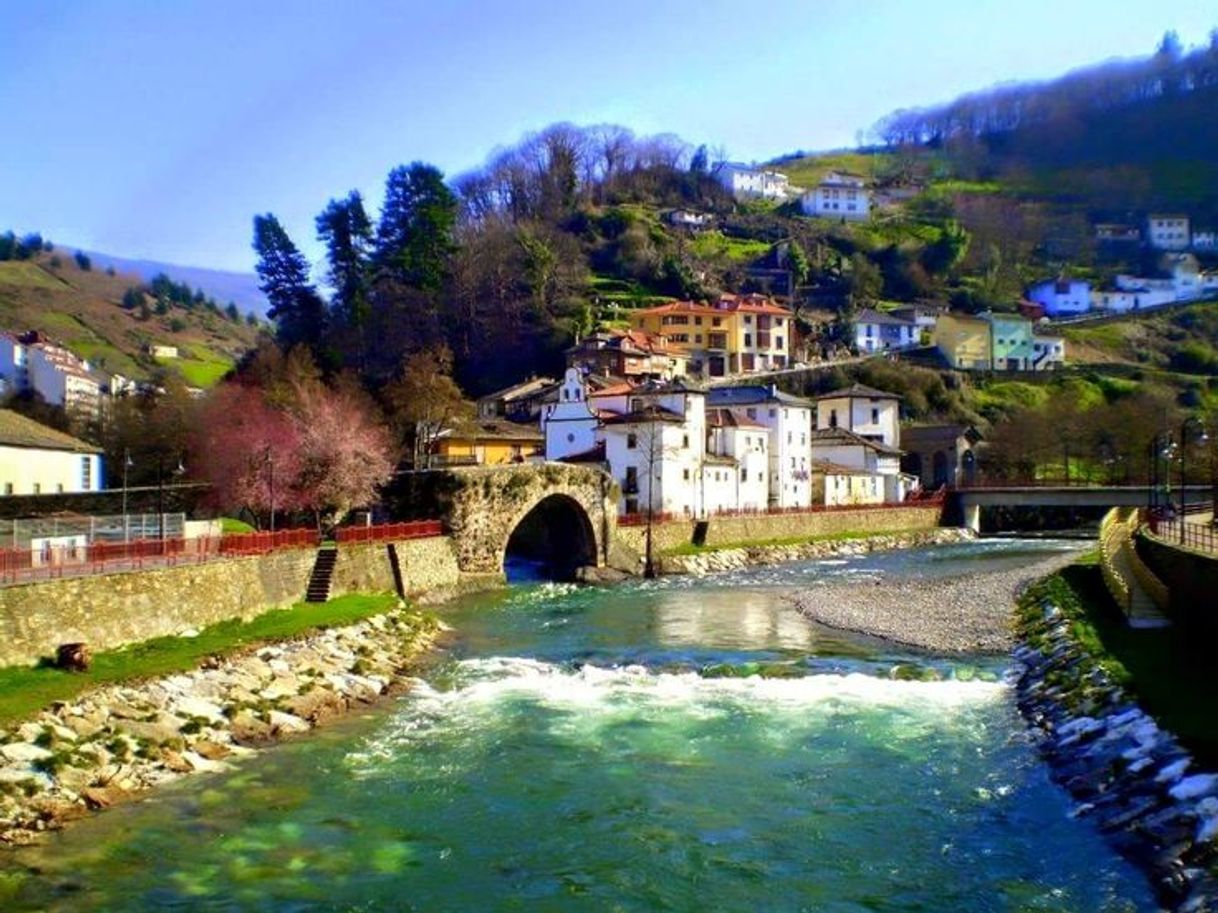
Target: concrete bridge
x,y
972,499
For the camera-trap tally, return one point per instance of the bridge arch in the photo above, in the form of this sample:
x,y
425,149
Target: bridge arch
x,y
554,536
571,508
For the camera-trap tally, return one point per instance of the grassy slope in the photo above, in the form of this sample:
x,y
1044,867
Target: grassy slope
x,y
26,690
81,309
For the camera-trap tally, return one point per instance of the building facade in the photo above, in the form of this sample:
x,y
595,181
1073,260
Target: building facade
x,y
1062,297
35,459
839,195
1168,231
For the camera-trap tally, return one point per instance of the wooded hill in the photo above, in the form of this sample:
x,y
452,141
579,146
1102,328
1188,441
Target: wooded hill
x,y
111,318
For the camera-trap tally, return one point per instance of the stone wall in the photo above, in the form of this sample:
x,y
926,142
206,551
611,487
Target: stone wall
x,y
1191,578
426,565
723,531
110,610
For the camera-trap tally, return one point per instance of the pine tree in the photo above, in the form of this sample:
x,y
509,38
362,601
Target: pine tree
x,y
296,308
345,228
414,240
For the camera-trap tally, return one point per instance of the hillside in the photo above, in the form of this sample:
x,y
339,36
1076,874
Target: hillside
x,y
224,286
83,309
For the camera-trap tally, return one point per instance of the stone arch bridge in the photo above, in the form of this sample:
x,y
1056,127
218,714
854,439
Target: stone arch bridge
x,y
560,514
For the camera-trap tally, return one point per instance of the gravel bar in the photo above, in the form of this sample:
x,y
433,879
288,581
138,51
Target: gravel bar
x,y
970,613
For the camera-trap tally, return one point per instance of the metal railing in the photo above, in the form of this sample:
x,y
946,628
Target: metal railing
x,y
640,519
389,532
83,559
1198,536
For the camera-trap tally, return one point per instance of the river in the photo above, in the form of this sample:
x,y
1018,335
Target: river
x,y
678,744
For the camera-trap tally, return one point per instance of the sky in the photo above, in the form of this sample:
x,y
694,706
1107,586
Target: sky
x,y
158,128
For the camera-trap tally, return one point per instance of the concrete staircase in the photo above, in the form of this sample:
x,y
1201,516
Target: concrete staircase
x,y
322,577
1136,589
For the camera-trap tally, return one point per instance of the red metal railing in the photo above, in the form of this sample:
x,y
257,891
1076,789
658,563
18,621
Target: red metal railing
x,y
24,565
389,532
262,543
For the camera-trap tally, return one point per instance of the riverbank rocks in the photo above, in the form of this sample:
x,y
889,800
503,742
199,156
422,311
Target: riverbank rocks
x,y
91,752
730,559
1128,775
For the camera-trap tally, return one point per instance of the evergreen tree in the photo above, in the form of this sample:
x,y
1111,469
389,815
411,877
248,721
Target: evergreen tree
x,y
231,312
283,273
345,228
414,240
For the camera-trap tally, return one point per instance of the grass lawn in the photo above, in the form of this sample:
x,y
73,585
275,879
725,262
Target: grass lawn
x,y
28,275
1170,672
230,525
25,690
711,245
691,549
199,367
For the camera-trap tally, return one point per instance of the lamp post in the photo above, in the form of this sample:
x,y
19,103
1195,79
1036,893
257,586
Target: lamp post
x,y
160,494
269,458
127,464
1190,423
1160,447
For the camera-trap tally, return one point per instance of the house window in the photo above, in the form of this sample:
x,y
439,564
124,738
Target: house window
x,y
875,416
632,441
744,475
570,438
773,412
698,321
685,442
685,474
748,318
832,418
778,342
37,488
748,339
751,412
86,473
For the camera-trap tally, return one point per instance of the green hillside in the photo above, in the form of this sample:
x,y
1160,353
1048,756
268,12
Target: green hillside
x,y
84,310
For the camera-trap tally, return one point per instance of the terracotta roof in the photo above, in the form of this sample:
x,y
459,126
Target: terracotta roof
x,y
18,431
842,436
646,416
860,391
748,304
838,469
594,455
614,390
726,418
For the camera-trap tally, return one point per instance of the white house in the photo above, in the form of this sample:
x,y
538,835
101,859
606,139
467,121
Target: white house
x,y
63,381
1168,231
875,331
745,444
1048,352
788,421
743,181
1205,240
656,450
860,427
687,218
839,195
1131,297
35,459
1062,297
14,364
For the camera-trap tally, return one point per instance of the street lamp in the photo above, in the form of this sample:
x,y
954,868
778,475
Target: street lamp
x,y
1195,424
160,493
1161,446
127,464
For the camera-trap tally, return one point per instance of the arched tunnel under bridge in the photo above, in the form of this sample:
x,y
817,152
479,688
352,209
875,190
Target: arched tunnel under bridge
x,y
551,542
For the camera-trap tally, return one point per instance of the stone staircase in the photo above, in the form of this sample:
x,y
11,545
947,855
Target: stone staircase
x,y
322,577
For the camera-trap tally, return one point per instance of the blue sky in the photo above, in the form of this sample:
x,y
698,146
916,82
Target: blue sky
x,y
158,128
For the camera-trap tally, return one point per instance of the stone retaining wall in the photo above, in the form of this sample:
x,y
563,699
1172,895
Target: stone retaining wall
x,y
108,611
765,527
1190,577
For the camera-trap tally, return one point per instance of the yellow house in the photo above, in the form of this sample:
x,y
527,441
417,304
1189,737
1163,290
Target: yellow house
x,y
964,341
488,442
37,460
734,335
835,485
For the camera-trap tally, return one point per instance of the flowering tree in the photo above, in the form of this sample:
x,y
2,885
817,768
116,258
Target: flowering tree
x,y
249,452
345,453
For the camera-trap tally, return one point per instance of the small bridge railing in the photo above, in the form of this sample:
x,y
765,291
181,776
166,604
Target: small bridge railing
x,y
932,499
1178,531
389,532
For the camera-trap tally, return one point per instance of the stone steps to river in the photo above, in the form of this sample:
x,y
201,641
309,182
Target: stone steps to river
x,y
322,577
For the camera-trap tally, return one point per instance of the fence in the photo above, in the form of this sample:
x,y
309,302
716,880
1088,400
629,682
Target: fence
x,y
53,560
389,532
1199,536
111,528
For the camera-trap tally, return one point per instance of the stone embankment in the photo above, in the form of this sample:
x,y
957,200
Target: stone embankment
x,y
115,741
1128,775
733,559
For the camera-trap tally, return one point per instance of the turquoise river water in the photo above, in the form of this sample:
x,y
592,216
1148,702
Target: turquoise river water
x,y
680,744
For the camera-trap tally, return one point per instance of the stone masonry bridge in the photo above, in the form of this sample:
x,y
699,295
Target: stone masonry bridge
x,y
562,515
